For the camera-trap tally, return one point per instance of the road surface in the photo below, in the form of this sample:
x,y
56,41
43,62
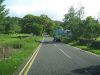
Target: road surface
x,y
62,59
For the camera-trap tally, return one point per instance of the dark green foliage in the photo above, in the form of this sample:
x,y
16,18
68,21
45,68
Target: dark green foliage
x,y
84,31
66,40
37,29
16,44
37,24
95,44
3,13
12,25
28,24
31,24
88,29
91,28
48,24
84,42
72,21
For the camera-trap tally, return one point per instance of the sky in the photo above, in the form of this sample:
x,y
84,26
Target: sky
x,y
55,9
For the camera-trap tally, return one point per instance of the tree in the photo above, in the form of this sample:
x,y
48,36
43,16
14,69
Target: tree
x,y
73,21
80,12
31,24
92,28
3,13
26,23
7,25
12,25
48,24
37,29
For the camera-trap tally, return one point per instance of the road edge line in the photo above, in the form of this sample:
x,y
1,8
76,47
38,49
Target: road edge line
x,y
84,50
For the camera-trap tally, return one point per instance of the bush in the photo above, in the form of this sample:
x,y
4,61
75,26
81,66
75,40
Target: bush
x,y
17,44
66,40
95,44
89,43
5,51
84,42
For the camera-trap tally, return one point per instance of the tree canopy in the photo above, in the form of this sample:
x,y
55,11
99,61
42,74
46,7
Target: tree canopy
x,y
88,28
3,13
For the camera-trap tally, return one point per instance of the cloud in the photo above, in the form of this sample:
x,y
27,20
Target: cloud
x,y
55,9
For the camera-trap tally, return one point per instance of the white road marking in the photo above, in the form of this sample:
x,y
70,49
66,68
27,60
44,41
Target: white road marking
x,y
62,51
55,45
84,51
88,72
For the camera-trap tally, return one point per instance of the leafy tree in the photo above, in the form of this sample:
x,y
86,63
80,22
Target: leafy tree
x,y
80,12
7,25
48,24
73,21
45,20
37,29
31,24
26,23
3,13
12,25
92,28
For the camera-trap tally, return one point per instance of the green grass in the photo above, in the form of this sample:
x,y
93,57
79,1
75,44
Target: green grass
x,y
85,47
21,49
95,51
98,39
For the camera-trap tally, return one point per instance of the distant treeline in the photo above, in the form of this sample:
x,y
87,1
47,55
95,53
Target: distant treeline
x,y
88,28
28,24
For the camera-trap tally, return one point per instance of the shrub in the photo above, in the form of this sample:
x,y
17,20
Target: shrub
x,y
84,42
95,44
66,40
16,44
5,51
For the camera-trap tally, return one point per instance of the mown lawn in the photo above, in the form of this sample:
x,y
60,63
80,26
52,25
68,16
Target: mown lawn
x,y
14,49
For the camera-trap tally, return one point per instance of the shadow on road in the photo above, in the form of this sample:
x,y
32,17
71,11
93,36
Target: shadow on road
x,y
91,70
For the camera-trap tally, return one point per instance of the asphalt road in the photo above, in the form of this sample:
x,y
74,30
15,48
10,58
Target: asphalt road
x,y
62,59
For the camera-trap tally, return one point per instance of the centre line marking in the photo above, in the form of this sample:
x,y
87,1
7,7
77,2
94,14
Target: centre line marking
x,y
62,51
55,45
88,72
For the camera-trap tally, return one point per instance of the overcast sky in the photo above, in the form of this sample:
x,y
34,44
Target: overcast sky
x,y
55,9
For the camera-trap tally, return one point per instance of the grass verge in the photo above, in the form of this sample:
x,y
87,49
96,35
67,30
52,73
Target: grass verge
x,y
20,49
85,47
